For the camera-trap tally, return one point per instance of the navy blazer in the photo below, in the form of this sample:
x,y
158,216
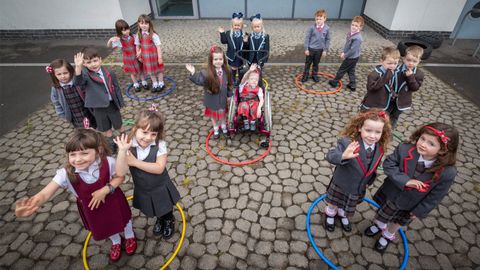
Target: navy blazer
x,y
264,45
233,44
353,175
96,94
399,168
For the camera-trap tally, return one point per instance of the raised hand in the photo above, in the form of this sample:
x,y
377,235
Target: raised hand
x,y
26,206
221,29
351,151
78,59
122,142
190,68
253,67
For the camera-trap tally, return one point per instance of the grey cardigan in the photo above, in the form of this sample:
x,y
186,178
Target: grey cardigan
x,y
352,46
353,175
399,168
317,40
214,102
96,95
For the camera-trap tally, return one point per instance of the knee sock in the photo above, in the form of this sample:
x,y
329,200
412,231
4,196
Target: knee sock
x,y
129,230
115,239
331,212
341,213
386,235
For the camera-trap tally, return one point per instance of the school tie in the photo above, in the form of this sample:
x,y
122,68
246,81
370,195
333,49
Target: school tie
x,y
369,152
220,76
419,169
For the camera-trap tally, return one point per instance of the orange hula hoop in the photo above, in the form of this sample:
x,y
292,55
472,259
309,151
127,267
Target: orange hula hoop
x,y
299,85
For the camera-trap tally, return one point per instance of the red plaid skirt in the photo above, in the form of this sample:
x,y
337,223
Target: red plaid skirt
x,y
214,114
348,202
129,56
389,212
248,109
149,56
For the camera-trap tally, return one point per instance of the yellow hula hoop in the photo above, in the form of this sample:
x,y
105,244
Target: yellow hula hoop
x,y
177,249
266,84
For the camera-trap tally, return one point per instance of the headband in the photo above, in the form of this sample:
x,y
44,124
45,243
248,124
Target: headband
x,y
49,69
257,16
440,133
153,107
236,15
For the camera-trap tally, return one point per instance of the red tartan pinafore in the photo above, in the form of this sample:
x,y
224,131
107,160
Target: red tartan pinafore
x,y
129,56
110,217
149,56
248,104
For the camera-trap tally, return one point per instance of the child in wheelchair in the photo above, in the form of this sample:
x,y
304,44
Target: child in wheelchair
x,y
251,99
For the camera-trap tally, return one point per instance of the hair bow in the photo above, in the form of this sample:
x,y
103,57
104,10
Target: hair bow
x,y
383,115
238,15
153,107
212,49
49,69
257,16
440,133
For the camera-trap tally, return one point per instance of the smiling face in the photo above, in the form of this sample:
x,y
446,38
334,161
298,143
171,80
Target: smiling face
x,y
93,64
62,75
253,80
144,26
145,137
217,60
371,131
320,20
355,27
237,24
428,146
82,159
126,32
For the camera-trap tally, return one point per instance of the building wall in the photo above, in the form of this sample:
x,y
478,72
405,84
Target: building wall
x,y
381,11
131,9
471,26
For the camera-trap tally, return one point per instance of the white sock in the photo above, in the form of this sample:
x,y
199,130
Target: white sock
x,y
154,84
135,84
215,130
115,239
341,212
224,128
388,235
381,225
144,83
330,220
330,211
160,84
129,230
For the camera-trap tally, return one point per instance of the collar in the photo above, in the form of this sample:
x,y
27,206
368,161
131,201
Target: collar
x,y
320,26
145,33
366,146
99,72
69,84
135,144
91,169
428,163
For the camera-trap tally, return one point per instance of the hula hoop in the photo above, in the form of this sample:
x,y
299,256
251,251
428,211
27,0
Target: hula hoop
x,y
166,93
265,83
174,254
126,122
299,85
209,151
327,261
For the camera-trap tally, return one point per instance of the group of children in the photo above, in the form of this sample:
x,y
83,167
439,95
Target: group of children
x,y
419,172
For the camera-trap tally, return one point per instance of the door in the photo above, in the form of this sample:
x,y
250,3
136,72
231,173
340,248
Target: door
x,y
176,9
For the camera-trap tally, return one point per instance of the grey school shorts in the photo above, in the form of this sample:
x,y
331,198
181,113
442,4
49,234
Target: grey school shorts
x,y
107,117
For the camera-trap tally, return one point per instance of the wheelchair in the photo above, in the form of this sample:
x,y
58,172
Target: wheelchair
x,y
264,122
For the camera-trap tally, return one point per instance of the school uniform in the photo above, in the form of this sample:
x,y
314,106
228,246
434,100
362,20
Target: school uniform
x,y
249,101
257,42
103,96
153,194
397,202
110,217
68,101
317,40
351,52
149,54
215,104
234,41
129,54
352,176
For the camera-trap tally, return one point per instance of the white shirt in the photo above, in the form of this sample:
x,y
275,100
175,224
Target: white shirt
x,y
428,163
100,73
88,176
155,39
118,43
69,84
366,146
143,153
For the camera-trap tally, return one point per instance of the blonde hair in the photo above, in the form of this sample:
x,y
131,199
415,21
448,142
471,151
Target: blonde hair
x,y
390,52
415,51
240,20
259,21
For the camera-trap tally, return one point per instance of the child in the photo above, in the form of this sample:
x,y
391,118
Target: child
x,y
419,174
234,40
259,42
126,42
317,43
67,97
217,83
145,151
350,54
94,178
149,52
102,93
409,79
251,98
381,81
357,156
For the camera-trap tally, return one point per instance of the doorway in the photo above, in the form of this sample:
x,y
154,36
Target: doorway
x,y
176,9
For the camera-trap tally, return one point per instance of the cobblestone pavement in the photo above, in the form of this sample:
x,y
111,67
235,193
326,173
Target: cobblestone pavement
x,y
250,217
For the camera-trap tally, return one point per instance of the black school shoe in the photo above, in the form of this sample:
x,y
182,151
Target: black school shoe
x,y
368,232
329,227
333,83
352,88
315,78
346,227
137,88
381,248
158,227
168,228
304,77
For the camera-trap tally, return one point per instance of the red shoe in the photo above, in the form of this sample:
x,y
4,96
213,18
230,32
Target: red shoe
x,y
130,246
115,252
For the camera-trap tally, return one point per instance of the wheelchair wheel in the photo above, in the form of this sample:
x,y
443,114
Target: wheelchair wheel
x,y
267,113
232,110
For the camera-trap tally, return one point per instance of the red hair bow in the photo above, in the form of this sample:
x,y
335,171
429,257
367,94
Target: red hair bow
x,y
49,69
440,133
212,49
383,115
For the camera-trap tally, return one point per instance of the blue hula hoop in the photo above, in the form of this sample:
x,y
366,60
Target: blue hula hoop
x,y
166,93
327,261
